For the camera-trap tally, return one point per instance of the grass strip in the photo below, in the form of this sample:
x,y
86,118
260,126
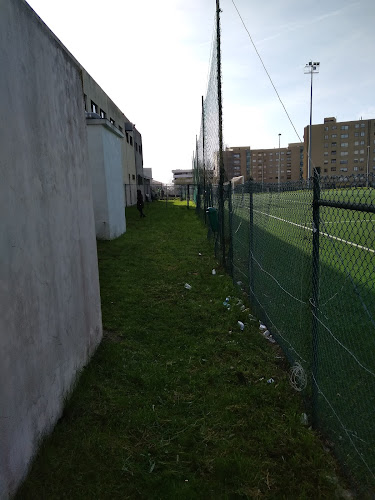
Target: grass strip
x,y
176,401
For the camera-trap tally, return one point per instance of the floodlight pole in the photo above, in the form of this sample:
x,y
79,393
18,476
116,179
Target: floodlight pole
x,y
310,67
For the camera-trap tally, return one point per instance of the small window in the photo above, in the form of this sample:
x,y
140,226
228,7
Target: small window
x,y
356,125
361,151
326,144
325,153
333,143
325,128
127,137
333,152
343,169
356,134
326,137
344,144
94,107
355,169
103,114
333,169
133,177
343,162
344,136
362,134
333,160
362,125
362,143
334,127
120,128
356,143
344,127
85,101
112,121
333,136
344,153
131,141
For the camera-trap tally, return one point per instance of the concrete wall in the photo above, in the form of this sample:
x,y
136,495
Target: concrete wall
x,y
104,142
50,321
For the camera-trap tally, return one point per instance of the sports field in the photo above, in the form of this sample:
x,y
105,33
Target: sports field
x,y
272,254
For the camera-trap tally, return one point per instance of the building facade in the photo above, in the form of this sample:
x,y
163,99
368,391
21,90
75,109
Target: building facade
x,y
263,165
237,162
183,177
97,101
341,148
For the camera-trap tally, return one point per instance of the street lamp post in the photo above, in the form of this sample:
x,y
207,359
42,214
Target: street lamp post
x,y
310,68
367,166
279,171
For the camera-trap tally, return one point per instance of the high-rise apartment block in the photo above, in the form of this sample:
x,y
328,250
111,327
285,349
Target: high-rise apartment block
x,y
341,148
265,165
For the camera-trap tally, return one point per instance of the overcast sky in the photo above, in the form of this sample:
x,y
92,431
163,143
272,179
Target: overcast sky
x,y
152,59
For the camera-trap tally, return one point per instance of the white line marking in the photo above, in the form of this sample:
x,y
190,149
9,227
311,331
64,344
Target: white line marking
x,y
323,234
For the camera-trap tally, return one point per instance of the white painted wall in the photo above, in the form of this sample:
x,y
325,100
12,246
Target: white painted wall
x,y
50,320
105,155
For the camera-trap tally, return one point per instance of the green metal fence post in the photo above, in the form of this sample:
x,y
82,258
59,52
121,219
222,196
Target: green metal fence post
x,y
315,293
251,243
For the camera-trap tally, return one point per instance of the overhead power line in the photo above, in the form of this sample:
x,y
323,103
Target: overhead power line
x,y
265,69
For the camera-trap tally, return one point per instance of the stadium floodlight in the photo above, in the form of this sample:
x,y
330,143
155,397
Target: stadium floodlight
x,y
310,69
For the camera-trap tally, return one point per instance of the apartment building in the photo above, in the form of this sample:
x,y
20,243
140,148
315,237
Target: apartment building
x,y
237,162
262,165
341,148
183,177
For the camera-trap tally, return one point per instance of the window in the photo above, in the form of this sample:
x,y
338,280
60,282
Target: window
x,y
344,153
356,125
120,128
361,160
333,143
94,107
356,152
333,169
236,155
127,137
334,136
343,162
325,128
326,170
362,125
344,136
362,143
356,143
356,134
343,169
333,160
102,114
325,162
236,162
355,169
362,134
112,121
334,127
133,177
355,160
325,153
361,151
131,140
344,127
326,137
326,144
333,152
344,144
85,101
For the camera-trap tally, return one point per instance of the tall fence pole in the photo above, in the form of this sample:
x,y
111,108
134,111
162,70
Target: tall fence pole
x,y
204,164
315,293
221,159
251,242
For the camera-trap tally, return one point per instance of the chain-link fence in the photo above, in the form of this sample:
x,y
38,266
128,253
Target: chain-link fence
x,y
304,252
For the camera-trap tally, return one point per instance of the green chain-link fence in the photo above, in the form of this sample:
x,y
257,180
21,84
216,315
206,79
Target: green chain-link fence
x,y
304,252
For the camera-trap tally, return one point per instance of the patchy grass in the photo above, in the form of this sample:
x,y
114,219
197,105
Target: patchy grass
x,y
175,403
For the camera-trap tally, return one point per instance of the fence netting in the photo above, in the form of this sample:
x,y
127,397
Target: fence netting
x,y
304,252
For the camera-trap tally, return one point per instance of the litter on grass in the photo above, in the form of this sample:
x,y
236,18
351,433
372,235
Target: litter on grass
x,y
270,381
241,325
187,286
213,271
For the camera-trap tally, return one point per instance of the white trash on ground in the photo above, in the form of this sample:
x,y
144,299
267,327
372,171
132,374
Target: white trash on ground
x,y
187,286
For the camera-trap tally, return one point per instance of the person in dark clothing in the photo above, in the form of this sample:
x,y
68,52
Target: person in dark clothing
x,y
140,203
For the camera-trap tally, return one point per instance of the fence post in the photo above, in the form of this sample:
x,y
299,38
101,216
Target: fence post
x,y
230,208
188,196
315,293
251,243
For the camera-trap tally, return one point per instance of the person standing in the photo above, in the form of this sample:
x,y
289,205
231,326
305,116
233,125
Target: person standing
x,y
140,203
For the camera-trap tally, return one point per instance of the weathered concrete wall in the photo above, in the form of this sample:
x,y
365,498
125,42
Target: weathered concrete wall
x,y
104,142
50,321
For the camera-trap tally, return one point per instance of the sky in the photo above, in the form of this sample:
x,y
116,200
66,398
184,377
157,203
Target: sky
x,y
152,59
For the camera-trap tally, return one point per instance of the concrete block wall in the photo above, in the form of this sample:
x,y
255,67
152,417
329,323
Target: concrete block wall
x,y
50,321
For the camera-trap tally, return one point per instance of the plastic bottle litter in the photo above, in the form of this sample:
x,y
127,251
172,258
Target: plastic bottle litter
x,y
270,381
241,325
262,327
187,286
213,271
